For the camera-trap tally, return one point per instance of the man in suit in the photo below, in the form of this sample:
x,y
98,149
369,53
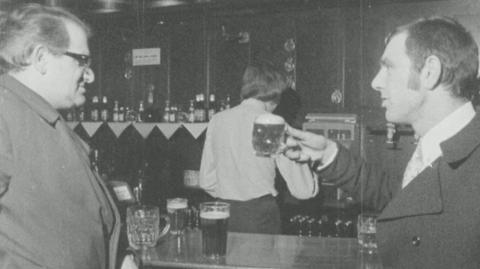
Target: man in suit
x,y
430,218
54,211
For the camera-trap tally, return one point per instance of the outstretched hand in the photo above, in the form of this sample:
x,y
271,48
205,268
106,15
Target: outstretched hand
x,y
303,146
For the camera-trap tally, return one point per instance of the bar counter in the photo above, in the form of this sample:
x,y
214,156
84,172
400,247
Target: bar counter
x,y
260,251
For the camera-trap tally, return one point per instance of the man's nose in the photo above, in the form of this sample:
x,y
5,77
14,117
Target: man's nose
x,y
377,82
88,75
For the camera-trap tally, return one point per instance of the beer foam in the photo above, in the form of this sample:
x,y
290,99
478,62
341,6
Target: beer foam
x,y
269,119
214,215
177,203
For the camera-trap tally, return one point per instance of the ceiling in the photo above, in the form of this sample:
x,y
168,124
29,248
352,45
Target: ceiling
x,y
112,6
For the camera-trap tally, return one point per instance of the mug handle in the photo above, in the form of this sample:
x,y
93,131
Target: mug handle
x,y
167,226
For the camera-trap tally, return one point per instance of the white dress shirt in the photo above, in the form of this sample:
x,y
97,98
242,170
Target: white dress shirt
x,y
231,170
429,144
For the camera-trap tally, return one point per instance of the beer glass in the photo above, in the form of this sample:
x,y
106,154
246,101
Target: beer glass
x,y
214,222
143,226
177,212
366,232
268,134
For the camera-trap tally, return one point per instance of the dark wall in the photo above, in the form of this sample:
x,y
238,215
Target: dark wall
x,y
337,47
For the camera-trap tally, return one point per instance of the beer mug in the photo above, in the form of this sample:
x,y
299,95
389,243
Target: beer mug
x,y
143,226
268,134
214,223
177,212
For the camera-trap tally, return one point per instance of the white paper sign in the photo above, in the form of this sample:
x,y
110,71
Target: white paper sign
x,y
149,56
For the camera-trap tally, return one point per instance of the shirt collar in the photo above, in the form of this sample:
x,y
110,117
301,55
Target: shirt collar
x,y
255,103
29,97
448,127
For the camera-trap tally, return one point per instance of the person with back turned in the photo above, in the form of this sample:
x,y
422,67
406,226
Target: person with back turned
x,y
231,171
430,217
55,212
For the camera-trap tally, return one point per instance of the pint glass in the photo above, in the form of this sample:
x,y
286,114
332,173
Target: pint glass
x,y
177,212
143,226
214,222
268,134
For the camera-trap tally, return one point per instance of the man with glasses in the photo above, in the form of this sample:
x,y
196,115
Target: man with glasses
x,y
54,211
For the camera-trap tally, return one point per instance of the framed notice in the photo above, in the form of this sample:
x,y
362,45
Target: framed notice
x,y
146,56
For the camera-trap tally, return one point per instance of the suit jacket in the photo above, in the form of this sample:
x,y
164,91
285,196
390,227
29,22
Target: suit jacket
x,y
54,211
434,222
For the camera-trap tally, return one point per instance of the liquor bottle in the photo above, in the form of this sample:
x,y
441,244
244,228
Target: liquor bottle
x,y
121,114
104,109
227,102
150,110
212,106
116,112
94,113
81,113
140,112
172,116
70,115
166,111
191,111
200,108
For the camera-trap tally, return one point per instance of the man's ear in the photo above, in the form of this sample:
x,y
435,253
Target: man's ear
x,y
39,59
431,72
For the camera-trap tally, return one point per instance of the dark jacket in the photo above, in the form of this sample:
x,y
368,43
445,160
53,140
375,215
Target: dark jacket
x,y
434,222
54,211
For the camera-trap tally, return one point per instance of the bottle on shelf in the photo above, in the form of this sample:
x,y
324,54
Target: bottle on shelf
x,y
227,102
212,106
166,111
172,116
94,109
191,111
116,111
141,112
150,110
70,115
121,114
104,109
81,113
200,108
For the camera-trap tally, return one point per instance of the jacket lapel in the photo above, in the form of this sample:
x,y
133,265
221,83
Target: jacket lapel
x,y
421,197
424,194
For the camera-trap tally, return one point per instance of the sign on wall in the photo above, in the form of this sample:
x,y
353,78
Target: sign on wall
x,y
146,56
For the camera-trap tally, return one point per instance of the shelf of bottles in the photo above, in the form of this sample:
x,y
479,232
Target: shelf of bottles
x,y
147,116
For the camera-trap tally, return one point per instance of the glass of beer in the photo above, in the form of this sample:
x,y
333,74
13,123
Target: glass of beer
x,y
143,226
214,222
367,229
268,134
177,212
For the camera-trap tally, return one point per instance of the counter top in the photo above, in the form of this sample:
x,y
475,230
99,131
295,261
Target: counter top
x,y
260,251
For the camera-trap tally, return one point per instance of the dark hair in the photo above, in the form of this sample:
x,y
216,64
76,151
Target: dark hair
x,y
263,81
452,44
27,26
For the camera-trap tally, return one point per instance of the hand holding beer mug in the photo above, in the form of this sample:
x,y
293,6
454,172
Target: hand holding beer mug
x,y
143,226
214,222
177,212
268,134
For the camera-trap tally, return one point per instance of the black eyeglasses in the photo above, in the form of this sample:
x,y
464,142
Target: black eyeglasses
x,y
82,59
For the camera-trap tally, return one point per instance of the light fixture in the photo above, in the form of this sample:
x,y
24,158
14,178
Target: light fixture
x,y
108,6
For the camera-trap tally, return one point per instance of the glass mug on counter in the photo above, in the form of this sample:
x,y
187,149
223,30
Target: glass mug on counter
x,y
367,230
144,227
268,134
177,212
214,223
